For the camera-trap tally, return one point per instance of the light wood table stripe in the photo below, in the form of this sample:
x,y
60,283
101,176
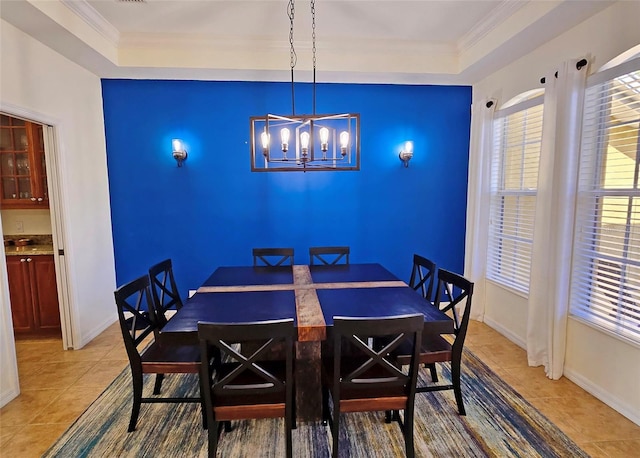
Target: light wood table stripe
x,y
243,288
311,324
289,286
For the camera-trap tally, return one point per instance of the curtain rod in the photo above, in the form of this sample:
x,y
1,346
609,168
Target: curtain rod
x,y
581,63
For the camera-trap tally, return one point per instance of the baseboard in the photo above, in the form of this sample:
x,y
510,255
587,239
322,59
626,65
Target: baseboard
x,y
505,332
95,332
597,391
8,396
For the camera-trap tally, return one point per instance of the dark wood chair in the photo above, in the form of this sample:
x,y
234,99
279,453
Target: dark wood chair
x,y
164,290
329,255
137,322
453,296
249,380
360,377
272,257
423,274
166,296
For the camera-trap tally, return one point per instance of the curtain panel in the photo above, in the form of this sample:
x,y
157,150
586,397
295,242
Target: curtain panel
x,y
553,229
478,201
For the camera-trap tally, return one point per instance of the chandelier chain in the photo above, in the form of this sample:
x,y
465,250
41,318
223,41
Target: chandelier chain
x,y
313,49
292,52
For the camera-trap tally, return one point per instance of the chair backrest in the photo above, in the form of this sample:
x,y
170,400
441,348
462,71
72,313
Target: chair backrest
x,y
329,255
423,275
360,363
164,290
272,257
247,367
454,292
135,313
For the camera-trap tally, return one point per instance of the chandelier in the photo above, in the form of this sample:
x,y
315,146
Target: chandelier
x,y
315,142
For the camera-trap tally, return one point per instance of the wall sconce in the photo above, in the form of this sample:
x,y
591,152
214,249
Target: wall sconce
x,y
179,153
406,153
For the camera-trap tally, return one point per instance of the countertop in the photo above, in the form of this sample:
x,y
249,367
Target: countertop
x,y
32,250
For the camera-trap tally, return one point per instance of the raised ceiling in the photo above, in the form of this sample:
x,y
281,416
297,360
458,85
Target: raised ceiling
x,y
415,42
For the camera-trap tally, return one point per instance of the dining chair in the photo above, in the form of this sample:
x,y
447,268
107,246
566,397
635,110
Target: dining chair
x,y
359,377
166,296
146,355
272,257
453,296
164,290
246,380
329,255
423,274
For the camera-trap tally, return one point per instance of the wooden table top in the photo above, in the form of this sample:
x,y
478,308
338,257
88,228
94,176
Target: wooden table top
x,y
312,295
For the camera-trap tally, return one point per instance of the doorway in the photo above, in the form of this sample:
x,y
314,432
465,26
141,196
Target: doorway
x,y
32,233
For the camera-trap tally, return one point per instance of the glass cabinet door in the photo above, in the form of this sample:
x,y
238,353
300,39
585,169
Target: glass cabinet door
x,y
22,168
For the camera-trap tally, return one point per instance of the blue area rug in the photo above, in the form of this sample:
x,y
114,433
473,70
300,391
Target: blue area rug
x,y
499,423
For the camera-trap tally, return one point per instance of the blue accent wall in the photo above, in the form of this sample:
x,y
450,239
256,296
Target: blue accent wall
x,y
213,210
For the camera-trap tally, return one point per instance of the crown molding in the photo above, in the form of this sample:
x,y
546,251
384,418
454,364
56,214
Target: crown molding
x,y
491,21
94,19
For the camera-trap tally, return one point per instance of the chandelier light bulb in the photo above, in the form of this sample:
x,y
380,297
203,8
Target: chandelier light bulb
x,y
265,138
284,137
344,142
324,139
304,143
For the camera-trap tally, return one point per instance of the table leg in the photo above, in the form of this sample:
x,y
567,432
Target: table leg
x,y
308,390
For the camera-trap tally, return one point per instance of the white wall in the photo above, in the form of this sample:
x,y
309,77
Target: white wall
x,y
34,222
606,366
38,80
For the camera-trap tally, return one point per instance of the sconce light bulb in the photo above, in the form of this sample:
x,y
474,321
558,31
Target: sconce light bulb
x,y
304,142
408,147
284,137
406,153
179,152
344,142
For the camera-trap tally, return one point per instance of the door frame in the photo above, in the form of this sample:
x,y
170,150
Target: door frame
x,y
56,209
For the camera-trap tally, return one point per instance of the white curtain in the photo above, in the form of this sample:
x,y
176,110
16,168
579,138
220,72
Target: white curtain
x,y
554,219
478,201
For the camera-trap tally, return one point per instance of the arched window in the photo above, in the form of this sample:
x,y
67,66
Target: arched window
x,y
514,179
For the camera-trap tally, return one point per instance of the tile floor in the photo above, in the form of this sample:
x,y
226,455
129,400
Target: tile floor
x,y
57,386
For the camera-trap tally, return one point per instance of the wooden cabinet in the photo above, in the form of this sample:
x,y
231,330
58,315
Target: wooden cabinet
x,y
34,295
23,173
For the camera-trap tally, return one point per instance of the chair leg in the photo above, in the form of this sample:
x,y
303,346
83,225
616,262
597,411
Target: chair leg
x,y
136,378
203,407
158,384
433,371
288,420
335,429
325,406
213,433
455,381
408,432
294,425
387,416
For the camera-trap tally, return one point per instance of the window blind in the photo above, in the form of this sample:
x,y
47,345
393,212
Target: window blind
x,y
605,286
514,181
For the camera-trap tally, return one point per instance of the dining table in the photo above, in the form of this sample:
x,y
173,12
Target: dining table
x,y
310,294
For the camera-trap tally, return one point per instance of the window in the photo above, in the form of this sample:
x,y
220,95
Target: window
x,y
605,287
514,182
